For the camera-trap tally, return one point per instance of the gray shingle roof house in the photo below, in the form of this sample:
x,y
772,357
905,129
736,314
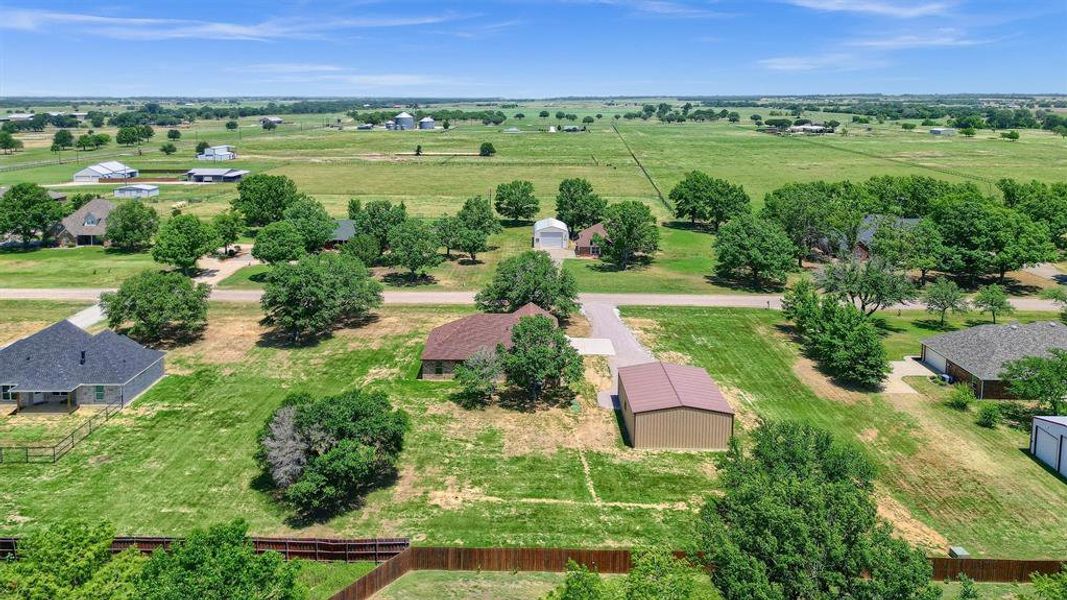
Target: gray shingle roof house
x,y
345,230
64,363
977,355
85,226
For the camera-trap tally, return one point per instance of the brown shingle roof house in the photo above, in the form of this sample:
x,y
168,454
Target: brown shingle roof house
x,y
583,244
674,406
85,226
453,343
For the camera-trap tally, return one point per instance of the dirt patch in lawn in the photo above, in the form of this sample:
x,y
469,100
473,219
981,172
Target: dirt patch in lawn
x,y
743,404
387,325
15,330
578,326
226,340
823,386
906,526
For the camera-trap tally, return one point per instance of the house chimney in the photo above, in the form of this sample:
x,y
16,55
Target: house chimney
x,y
82,361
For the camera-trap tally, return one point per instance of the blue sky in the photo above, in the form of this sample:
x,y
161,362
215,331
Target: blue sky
x,y
531,48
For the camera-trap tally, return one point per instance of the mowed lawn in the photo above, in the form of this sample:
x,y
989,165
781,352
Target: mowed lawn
x,y
943,480
183,454
87,266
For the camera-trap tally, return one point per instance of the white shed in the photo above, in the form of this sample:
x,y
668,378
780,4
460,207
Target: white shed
x,y
1048,442
111,169
217,153
550,233
945,131
427,123
137,190
404,121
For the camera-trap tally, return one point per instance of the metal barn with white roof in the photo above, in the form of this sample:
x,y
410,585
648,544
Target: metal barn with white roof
x,y
550,233
111,169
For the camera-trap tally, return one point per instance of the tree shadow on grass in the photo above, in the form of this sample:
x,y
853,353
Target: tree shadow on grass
x,y
281,340
469,262
638,263
745,284
934,325
885,327
408,280
519,400
687,226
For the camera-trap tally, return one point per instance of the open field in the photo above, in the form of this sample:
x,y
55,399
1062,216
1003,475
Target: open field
x,y
943,480
86,266
19,318
493,477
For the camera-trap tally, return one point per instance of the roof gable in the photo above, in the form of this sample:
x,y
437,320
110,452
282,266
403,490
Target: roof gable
x,y
585,236
984,350
460,339
659,386
78,222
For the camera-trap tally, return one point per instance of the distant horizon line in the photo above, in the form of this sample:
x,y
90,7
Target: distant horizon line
x,y
446,98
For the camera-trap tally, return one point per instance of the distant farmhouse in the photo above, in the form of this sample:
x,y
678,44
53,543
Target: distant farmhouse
x,y
57,196
943,131
217,153
550,233
137,190
85,226
977,355
273,120
111,169
213,175
65,364
345,230
584,244
17,117
812,128
453,343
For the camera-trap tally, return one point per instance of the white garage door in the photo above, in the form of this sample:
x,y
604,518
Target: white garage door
x,y
1046,447
935,360
552,239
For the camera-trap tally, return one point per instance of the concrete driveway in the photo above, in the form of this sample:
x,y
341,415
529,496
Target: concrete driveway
x,y
593,346
909,367
605,322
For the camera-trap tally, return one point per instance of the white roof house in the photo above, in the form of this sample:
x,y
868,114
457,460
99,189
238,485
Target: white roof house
x,y
224,152
17,117
942,131
111,169
550,233
275,120
136,190
427,123
404,121
207,175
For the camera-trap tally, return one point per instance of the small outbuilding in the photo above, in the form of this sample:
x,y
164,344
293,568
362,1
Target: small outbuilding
x,y
674,406
212,175
218,153
549,233
943,131
427,123
137,190
342,232
977,355
85,226
1048,442
272,120
584,244
404,121
111,169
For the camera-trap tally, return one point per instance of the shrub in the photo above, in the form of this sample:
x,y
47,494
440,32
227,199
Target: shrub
x,y
486,149
323,454
363,247
989,415
961,398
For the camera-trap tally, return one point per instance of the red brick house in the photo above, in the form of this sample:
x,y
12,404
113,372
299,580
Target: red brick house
x,y
453,343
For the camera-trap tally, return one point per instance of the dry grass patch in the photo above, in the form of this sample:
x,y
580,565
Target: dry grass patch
x,y
906,526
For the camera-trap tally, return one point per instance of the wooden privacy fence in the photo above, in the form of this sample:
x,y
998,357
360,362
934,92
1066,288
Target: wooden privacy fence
x,y
419,558
51,453
317,549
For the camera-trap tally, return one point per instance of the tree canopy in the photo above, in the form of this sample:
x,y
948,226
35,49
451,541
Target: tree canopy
x,y
541,358
631,230
182,240
157,305
698,197
413,245
279,242
262,199
529,277
755,247
813,496
27,211
516,200
131,226
311,220
577,205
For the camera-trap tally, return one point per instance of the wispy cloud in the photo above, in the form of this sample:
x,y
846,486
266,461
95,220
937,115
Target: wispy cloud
x,y
289,68
885,8
661,8
834,61
939,38
137,28
486,30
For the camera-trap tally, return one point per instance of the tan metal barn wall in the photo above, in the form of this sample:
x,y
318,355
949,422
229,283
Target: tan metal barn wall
x,y
683,428
627,414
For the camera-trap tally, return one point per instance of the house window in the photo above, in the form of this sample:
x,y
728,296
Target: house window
x,y
99,393
90,219
438,368
6,395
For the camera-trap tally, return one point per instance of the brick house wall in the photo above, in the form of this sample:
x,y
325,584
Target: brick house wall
x,y
430,369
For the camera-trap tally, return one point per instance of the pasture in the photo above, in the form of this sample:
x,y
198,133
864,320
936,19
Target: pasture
x,y
624,160
942,479
557,476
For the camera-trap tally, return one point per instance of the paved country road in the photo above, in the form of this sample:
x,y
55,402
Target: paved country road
x,y
439,297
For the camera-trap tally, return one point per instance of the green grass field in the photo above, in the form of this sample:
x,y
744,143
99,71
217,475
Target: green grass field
x,y
494,477
324,579
947,480
87,266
